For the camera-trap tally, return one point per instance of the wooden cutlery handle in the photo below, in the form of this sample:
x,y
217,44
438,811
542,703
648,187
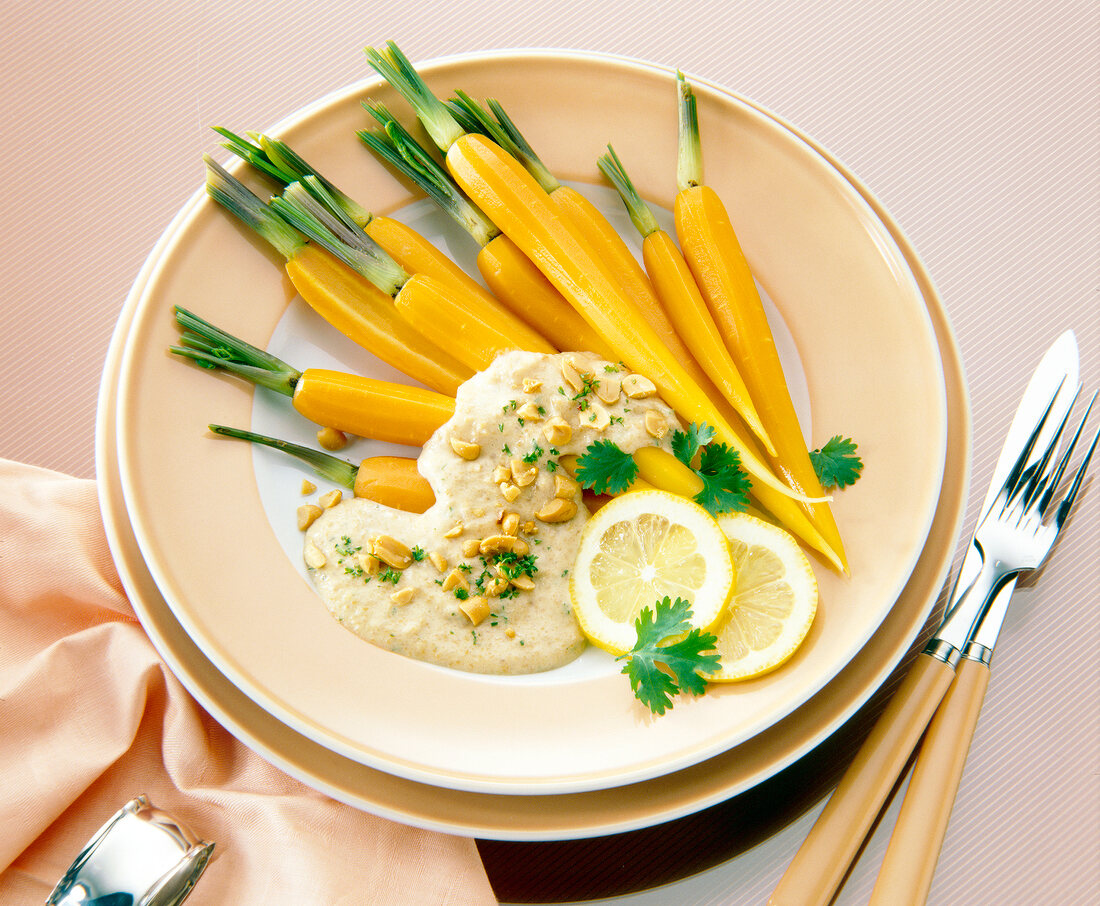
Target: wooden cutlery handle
x,y
910,861
823,859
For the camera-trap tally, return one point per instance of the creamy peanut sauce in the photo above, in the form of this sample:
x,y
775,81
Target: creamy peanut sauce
x,y
514,413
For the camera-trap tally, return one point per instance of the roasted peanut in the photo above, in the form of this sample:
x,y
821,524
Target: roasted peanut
x,y
332,439
572,374
470,547
370,564
329,500
557,431
464,448
608,389
307,515
531,385
438,560
638,386
524,473
524,583
391,551
510,491
557,510
656,425
597,417
403,597
498,544
475,608
564,487
455,579
529,412
510,524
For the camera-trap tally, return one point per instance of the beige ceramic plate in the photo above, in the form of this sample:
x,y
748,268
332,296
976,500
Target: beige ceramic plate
x,y
562,816
859,321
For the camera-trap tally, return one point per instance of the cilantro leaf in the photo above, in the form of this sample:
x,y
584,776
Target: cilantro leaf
x,y
606,469
685,444
684,658
837,464
725,485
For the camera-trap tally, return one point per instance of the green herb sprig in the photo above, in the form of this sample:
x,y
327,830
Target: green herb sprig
x,y
686,659
836,463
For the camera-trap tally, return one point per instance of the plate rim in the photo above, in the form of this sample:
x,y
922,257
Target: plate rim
x,y
589,780
932,298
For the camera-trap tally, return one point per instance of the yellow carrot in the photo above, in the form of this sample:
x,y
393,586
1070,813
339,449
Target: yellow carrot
x,y
722,273
392,481
509,274
361,312
380,410
412,252
345,299
475,337
530,296
434,308
680,297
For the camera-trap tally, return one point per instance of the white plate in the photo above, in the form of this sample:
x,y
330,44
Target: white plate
x,y
857,318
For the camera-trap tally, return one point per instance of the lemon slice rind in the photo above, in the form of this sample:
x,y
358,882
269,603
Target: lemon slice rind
x,y
773,605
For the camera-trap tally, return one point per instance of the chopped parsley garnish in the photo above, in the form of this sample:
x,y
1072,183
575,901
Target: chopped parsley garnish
x,y
418,553
511,565
551,465
606,469
534,455
390,575
344,548
836,463
461,593
684,659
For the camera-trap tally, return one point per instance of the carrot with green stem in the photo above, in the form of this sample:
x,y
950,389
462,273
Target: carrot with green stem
x,y
512,199
725,280
474,333
380,410
413,252
344,298
392,481
680,296
611,248
511,276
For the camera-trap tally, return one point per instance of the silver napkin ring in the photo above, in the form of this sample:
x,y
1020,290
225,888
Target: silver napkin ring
x,y
141,857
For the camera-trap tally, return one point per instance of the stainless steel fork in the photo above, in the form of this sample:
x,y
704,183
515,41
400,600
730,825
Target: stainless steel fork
x,y
1016,535
1026,521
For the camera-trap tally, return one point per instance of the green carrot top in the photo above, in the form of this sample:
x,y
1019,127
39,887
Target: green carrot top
x,y
689,157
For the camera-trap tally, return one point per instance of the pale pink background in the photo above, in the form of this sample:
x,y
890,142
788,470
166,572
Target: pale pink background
x,y
977,125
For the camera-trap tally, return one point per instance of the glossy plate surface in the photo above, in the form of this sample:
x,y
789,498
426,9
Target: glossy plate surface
x,y
860,320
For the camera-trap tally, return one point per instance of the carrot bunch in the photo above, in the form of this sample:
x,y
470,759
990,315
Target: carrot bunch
x,y
559,278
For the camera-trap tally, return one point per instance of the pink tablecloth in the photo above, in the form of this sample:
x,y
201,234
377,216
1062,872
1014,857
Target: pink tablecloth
x,y
91,718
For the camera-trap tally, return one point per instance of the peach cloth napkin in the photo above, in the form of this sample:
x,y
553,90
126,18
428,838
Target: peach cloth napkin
x,y
90,717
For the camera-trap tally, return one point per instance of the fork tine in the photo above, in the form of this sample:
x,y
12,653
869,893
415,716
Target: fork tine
x,y
1075,486
1038,477
1052,484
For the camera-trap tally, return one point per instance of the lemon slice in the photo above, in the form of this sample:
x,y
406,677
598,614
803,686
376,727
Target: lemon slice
x,y
639,548
773,604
